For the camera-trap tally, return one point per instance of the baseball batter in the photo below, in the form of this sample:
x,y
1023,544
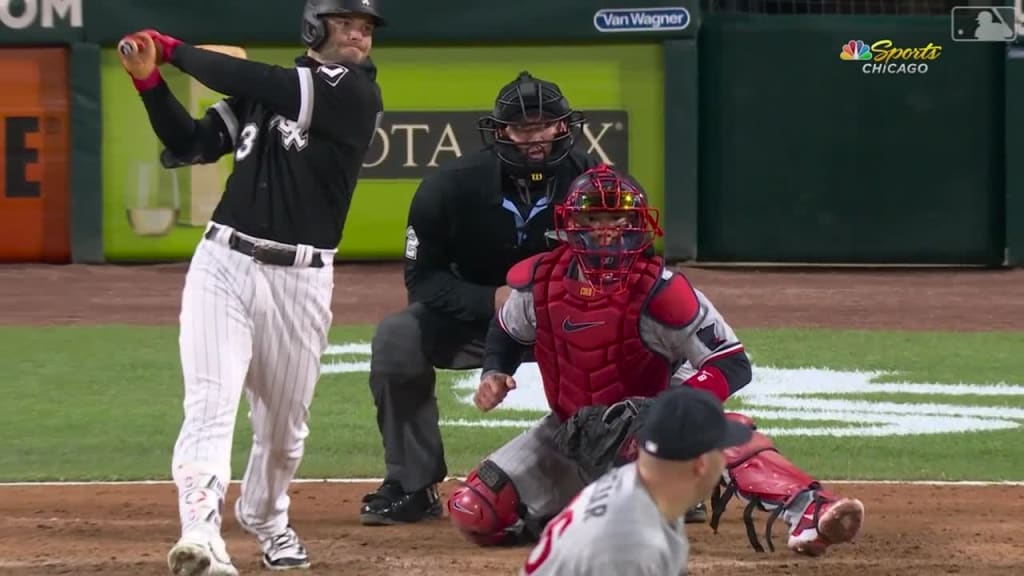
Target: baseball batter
x,y
607,321
630,521
256,305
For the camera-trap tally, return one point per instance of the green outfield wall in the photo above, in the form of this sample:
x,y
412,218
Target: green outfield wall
x,y
806,157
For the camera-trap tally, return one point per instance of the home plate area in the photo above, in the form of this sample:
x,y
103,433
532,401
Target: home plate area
x,y
127,530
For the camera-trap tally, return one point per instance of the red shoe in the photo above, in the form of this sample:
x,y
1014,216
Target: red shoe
x,y
826,523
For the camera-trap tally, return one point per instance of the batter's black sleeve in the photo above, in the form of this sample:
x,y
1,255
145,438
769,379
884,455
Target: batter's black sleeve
x,y
190,141
428,274
502,353
330,98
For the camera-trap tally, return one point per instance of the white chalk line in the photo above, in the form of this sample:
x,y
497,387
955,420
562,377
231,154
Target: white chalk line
x,y
450,478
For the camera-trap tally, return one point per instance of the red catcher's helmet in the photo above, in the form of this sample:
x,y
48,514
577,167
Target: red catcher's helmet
x,y
608,222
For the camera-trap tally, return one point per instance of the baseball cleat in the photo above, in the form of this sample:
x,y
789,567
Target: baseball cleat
x,y
285,552
281,552
193,558
838,521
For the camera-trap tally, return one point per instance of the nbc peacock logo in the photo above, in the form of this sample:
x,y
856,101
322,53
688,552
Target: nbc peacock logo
x,y
855,50
886,57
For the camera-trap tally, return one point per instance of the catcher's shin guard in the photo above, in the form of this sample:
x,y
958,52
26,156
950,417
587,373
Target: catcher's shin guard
x,y
758,474
485,508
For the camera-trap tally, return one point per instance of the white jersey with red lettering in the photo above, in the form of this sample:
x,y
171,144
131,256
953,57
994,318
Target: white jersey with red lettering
x,y
611,527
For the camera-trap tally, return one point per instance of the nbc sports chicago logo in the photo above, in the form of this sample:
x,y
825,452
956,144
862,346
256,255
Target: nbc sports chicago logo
x,y
885,57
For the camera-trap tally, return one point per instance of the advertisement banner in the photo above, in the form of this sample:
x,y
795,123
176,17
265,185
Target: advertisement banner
x,y
432,100
34,155
413,144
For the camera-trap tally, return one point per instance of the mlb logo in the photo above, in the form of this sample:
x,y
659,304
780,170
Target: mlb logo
x,y
984,23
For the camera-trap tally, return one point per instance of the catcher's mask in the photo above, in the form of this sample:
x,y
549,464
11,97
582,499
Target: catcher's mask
x,y
314,30
608,222
532,128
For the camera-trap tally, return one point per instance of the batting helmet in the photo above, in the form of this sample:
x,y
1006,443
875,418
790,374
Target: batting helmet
x,y
526,100
314,32
608,222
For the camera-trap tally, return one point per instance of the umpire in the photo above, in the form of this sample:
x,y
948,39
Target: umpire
x,y
469,222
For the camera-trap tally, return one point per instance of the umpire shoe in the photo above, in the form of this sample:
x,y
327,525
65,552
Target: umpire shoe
x,y
697,515
196,557
825,523
389,505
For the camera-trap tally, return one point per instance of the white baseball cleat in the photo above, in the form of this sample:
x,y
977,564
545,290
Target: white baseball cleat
x,y
282,551
191,557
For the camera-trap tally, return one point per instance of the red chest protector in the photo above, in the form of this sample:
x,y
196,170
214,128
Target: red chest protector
x,y
588,345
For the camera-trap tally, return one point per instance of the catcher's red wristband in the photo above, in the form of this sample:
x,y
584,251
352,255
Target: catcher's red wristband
x,y
149,82
712,380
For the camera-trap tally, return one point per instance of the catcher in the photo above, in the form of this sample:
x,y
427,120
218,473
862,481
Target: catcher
x,y
609,326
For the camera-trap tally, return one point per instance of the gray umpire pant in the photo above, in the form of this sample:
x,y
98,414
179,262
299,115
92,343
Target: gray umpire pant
x,y
406,349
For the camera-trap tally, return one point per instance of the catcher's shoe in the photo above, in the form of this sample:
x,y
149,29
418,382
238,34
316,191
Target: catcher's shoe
x,y
391,505
826,523
195,557
697,515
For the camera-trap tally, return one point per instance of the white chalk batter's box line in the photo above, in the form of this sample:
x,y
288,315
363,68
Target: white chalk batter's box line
x,y
379,480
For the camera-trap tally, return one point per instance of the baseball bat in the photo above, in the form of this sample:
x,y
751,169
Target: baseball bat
x,y
128,47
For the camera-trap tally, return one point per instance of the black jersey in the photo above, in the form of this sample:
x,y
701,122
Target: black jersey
x,y
470,222
298,135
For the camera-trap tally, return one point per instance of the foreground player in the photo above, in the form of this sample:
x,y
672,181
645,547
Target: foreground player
x,y
256,306
629,521
607,322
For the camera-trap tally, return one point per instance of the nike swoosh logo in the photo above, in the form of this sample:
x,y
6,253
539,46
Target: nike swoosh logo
x,y
570,326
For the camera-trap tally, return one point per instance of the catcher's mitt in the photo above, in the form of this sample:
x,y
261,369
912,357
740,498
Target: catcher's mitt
x,y
601,437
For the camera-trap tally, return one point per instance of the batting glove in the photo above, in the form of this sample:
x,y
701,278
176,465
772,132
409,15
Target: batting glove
x,y
165,44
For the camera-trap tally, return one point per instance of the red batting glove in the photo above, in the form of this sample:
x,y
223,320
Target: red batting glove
x,y
165,44
147,83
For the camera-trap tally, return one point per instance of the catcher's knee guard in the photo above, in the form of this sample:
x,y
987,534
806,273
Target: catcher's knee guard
x,y
485,506
757,473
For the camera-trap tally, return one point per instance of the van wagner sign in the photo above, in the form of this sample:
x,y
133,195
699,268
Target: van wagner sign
x,y
411,144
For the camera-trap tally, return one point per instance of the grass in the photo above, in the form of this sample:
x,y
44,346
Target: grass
x,y
104,403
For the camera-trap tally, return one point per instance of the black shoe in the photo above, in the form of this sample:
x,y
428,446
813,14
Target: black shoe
x,y
697,515
389,490
390,505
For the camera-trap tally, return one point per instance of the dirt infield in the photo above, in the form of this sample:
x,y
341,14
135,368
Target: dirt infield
x,y
910,530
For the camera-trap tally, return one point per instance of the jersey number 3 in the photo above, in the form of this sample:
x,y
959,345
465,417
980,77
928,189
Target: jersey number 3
x,y
548,537
246,141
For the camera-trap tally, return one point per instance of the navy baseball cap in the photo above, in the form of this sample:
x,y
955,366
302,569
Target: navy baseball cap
x,y
683,423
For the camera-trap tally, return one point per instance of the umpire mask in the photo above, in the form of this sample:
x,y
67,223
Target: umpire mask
x,y
532,128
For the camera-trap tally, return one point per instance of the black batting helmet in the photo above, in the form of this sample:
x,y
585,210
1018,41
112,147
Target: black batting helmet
x,y
528,99
314,32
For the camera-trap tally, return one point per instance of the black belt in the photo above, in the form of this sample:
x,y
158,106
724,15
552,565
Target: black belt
x,y
264,253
